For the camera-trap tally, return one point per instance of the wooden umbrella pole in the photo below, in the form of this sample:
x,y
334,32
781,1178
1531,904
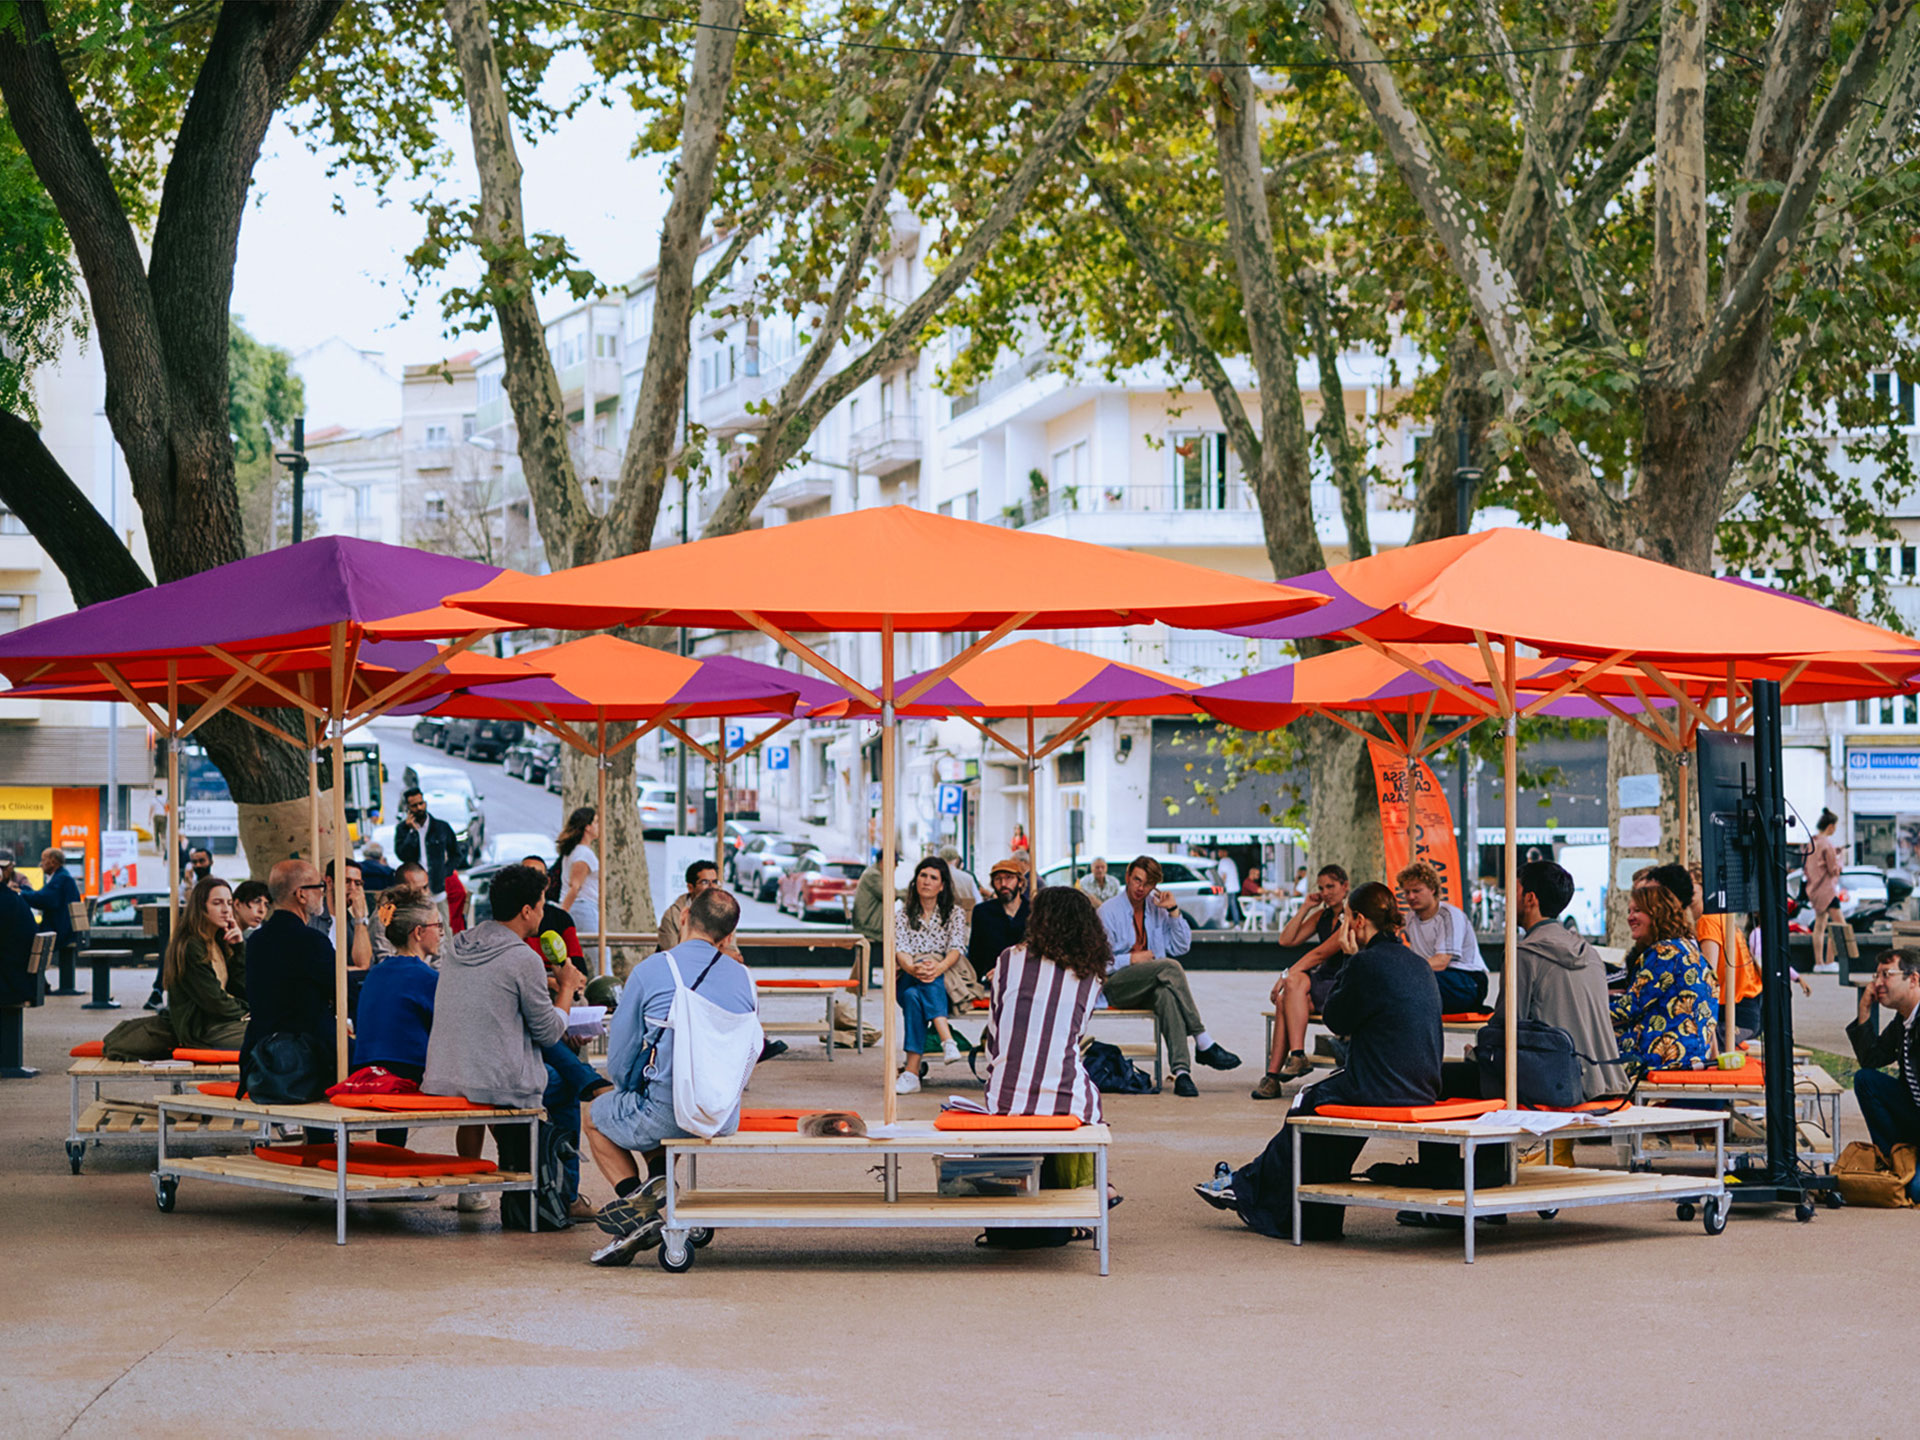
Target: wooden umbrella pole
x,y
600,778
1510,990
889,1102
1033,815
342,923
173,797
720,806
313,778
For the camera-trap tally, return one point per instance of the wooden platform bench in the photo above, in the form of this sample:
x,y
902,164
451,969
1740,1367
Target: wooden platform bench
x,y
692,1213
96,1118
250,1171
1816,1098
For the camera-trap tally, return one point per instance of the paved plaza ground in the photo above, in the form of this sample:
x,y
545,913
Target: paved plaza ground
x,y
237,1314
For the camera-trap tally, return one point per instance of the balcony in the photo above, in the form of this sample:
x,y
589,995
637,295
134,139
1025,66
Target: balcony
x,y
601,372
802,485
490,415
432,457
892,444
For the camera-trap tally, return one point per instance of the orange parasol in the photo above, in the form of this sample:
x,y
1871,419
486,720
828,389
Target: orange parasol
x,y
887,570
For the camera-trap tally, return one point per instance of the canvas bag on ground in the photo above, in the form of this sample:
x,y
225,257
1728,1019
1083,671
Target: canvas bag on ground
x,y
714,1052
1873,1180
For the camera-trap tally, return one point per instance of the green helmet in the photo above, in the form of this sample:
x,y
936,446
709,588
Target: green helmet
x,y
603,990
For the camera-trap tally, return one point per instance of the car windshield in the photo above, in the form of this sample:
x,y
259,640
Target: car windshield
x,y
789,847
841,869
435,781
1171,873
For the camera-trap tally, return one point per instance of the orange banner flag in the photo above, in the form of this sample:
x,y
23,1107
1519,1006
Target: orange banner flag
x,y
1432,836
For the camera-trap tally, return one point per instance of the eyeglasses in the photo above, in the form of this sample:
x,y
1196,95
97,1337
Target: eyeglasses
x,y
319,885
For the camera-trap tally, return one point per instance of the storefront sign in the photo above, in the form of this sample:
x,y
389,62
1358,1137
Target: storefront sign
x,y
1870,769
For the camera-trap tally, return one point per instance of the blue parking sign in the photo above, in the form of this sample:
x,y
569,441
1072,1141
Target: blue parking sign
x,y
779,757
950,798
736,736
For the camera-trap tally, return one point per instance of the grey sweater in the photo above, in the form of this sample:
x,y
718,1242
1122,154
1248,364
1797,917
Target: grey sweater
x,y
1563,982
491,1018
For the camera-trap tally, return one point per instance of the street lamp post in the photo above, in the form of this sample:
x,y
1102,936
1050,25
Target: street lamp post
x,y
296,461
1466,480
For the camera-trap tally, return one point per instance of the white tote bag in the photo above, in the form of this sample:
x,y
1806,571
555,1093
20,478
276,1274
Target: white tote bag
x,y
714,1052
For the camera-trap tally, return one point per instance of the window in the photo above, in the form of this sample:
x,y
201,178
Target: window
x,y
1893,395
436,434
466,427
639,318
1417,448
946,507
434,506
1888,712
1072,466
11,524
600,434
972,499
13,610
1199,469
1070,767
603,346
753,347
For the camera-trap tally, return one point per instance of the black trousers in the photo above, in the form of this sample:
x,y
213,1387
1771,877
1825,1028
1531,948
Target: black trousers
x,y
1265,1187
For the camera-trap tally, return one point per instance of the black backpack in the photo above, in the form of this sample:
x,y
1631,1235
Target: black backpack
x,y
1113,1074
1548,1069
549,1202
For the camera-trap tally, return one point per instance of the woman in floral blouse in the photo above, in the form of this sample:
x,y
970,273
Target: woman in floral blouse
x,y
929,937
1665,1018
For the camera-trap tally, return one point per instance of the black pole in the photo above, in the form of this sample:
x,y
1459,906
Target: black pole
x,y
686,648
1466,480
1776,1006
296,461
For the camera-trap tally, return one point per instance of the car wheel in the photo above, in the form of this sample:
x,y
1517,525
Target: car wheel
x,y
766,893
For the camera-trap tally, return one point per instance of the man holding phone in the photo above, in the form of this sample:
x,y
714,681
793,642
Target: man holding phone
x,y
1308,981
1145,931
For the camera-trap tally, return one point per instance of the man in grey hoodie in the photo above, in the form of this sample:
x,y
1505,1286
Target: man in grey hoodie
x,y
493,1013
1562,979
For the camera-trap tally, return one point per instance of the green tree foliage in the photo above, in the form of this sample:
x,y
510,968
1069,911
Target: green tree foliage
x,y
264,398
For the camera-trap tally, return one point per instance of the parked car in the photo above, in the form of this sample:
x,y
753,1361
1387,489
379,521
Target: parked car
x,y
1196,884
555,775
122,907
738,832
482,739
531,757
816,884
431,730
452,798
1865,888
510,847
761,862
656,810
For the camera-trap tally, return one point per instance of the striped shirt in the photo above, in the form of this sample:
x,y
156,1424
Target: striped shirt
x,y
1033,1039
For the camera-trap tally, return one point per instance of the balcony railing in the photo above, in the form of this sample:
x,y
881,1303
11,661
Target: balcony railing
x,y
1200,496
888,445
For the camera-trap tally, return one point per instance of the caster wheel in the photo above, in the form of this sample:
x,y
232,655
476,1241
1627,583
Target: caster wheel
x,y
75,1154
676,1255
1803,1212
1713,1215
699,1237
163,1193
1548,1214
1684,1210
1834,1200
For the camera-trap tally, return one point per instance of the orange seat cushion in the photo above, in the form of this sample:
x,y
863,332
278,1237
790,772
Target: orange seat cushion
x,y
1752,1073
1400,1114
967,1120
774,1119
226,1089
842,984
208,1057
374,1159
1467,1017
89,1050
407,1102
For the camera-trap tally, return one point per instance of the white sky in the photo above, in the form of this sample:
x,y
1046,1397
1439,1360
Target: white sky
x,y
306,272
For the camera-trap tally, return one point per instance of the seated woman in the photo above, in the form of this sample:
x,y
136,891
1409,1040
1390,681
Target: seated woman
x,y
1665,1018
1387,1002
395,1016
205,972
1042,993
929,939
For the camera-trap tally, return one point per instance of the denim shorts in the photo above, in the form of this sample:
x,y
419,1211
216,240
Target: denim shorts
x,y
636,1123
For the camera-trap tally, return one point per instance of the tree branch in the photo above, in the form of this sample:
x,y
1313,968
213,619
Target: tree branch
x,y
1336,440
1272,183
539,413
1793,54
75,535
663,380
788,435
1677,293
1818,145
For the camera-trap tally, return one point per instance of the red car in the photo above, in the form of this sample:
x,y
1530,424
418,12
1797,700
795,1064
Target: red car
x,y
816,883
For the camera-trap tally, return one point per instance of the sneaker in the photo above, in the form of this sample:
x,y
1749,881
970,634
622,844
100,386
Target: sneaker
x,y
1218,1192
1221,1170
1269,1088
1295,1066
1832,967
622,1248
472,1202
1217,1057
906,1083
771,1048
626,1213
950,1052
1183,1084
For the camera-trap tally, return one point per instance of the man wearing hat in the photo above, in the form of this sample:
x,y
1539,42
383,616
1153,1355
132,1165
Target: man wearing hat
x,y
999,923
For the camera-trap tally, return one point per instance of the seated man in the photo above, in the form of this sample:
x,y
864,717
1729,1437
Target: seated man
x,y
1442,936
252,903
290,970
1890,1104
359,938
637,1114
557,920
1562,980
1000,923
493,1014
1387,1002
702,876
1145,931
1309,980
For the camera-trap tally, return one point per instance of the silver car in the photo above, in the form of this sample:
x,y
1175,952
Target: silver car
x,y
762,860
1191,880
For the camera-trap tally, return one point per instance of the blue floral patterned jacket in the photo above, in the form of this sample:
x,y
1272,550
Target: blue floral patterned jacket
x,y
1665,1018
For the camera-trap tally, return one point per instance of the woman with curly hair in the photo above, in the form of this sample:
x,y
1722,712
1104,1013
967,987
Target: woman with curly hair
x,y
1665,1017
205,972
1043,992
